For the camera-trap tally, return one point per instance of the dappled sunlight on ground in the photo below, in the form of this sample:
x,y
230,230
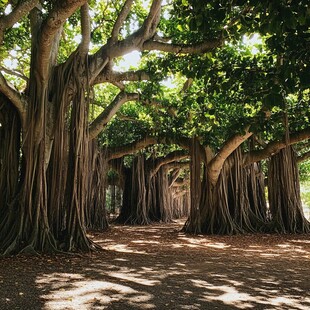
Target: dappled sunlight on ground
x,y
159,267
86,293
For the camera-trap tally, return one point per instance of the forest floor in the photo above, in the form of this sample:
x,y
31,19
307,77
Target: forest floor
x,y
159,267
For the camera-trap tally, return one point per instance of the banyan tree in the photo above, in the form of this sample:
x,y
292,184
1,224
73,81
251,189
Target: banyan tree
x,y
148,194
227,191
43,206
59,90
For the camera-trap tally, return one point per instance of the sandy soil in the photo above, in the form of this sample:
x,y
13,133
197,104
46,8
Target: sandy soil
x,y
158,267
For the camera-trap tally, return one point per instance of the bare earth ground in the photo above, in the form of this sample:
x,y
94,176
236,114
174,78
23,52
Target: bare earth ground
x,y
158,267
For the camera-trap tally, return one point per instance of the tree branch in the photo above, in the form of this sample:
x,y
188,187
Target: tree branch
x,y
133,42
14,73
275,146
174,176
14,97
171,157
131,76
101,121
120,20
85,25
11,94
216,164
180,193
177,165
50,27
182,49
7,21
120,151
158,105
151,22
303,157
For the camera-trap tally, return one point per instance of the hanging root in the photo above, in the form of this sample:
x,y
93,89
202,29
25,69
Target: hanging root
x,y
284,194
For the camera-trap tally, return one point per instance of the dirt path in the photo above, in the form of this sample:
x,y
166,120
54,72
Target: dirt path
x,y
158,267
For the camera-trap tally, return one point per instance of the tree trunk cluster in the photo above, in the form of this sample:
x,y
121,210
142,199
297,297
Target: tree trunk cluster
x,y
149,197
236,203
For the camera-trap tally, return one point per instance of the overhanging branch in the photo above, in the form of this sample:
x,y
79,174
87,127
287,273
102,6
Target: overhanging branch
x,y
182,49
216,164
120,19
131,76
7,21
120,151
305,156
57,17
275,146
171,157
85,25
12,95
101,121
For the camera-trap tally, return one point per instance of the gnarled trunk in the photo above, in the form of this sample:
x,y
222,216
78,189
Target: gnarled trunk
x,y
193,224
246,196
159,197
284,194
135,209
29,229
215,213
95,211
10,130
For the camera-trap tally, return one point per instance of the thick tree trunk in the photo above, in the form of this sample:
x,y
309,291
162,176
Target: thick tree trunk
x,y
10,130
125,211
29,229
95,211
160,197
215,214
245,195
146,197
180,205
284,194
256,192
78,167
135,209
193,224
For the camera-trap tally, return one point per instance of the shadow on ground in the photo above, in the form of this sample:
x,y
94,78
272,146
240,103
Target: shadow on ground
x,y
158,267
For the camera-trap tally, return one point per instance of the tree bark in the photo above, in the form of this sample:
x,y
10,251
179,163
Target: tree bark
x,y
284,194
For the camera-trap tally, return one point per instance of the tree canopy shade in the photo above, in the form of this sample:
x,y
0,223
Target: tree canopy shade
x,y
60,96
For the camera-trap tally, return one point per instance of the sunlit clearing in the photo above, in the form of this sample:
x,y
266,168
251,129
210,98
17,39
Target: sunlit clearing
x,y
73,291
123,248
133,278
130,60
145,242
301,241
230,295
203,242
